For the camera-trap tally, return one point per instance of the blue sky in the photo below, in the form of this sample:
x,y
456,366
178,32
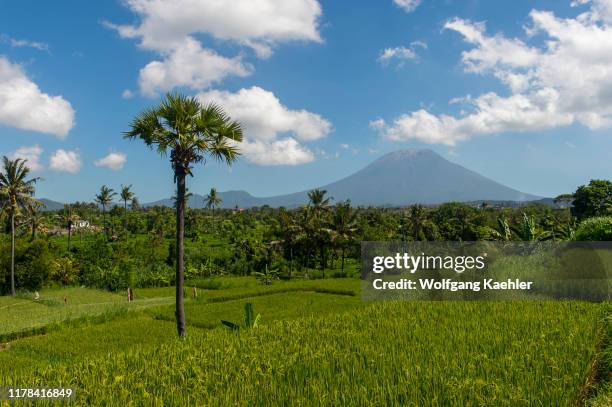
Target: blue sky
x,y
324,87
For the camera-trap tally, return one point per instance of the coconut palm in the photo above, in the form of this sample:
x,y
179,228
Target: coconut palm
x,y
212,201
16,193
343,226
189,131
126,195
317,199
34,218
104,199
318,208
67,219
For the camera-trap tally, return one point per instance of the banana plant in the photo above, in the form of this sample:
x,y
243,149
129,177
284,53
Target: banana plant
x,y
528,230
250,320
268,275
503,231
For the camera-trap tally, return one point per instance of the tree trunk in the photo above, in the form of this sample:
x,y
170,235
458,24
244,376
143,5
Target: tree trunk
x,y
125,219
104,220
290,261
69,233
180,232
13,253
322,254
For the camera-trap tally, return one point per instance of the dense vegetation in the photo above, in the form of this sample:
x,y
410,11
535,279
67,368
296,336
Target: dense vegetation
x,y
125,244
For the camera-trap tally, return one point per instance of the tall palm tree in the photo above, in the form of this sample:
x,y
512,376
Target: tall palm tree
x,y
16,193
212,201
105,198
344,226
34,217
189,131
67,219
126,195
318,207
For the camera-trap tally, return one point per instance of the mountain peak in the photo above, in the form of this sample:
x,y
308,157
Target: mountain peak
x,y
398,178
409,153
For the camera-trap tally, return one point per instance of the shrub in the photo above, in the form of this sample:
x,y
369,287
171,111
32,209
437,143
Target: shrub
x,y
32,264
160,275
64,270
595,229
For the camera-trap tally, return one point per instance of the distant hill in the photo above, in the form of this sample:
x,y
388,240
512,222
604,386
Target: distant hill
x,y
51,205
399,178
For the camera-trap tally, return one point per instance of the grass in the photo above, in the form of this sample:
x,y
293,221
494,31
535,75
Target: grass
x,y
96,337
283,306
425,353
317,343
22,315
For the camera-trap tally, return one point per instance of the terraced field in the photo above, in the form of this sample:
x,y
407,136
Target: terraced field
x,y
317,343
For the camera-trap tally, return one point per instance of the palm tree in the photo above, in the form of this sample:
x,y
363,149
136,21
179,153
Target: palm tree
x,y
344,226
34,217
105,198
318,207
317,199
67,219
16,193
126,195
213,200
189,131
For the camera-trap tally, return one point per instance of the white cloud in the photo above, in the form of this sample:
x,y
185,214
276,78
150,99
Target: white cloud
x,y
127,94
24,106
345,146
285,151
270,126
407,5
165,23
168,27
21,43
565,79
399,54
66,161
31,155
114,161
189,65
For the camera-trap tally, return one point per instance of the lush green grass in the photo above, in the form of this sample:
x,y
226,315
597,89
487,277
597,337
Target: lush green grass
x,y
317,343
91,338
283,306
420,353
22,314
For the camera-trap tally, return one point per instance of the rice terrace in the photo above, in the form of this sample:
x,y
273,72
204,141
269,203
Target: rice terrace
x,y
237,203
